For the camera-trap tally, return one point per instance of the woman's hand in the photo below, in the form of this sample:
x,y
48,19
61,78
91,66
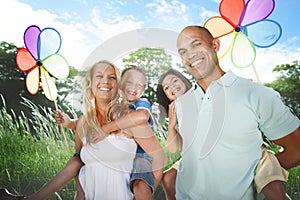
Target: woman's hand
x,y
64,120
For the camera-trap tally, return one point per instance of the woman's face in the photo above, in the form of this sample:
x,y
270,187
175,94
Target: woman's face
x,y
173,87
104,82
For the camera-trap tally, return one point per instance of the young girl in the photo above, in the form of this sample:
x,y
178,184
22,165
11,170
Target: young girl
x,y
171,85
269,173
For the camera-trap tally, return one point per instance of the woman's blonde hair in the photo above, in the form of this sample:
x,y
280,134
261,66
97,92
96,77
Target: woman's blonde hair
x,y
116,106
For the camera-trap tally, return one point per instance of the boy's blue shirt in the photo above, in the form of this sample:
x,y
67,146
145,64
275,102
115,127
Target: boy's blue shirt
x,y
143,103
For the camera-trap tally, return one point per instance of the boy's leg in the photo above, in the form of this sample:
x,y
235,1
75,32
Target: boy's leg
x,y
168,182
61,179
141,178
141,190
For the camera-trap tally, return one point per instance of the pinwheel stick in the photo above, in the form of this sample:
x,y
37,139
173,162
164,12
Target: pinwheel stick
x,y
62,128
256,74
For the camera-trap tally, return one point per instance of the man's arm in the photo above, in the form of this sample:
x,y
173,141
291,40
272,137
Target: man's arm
x,y
290,156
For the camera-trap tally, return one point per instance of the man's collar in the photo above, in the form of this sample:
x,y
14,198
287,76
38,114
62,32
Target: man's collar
x,y
226,80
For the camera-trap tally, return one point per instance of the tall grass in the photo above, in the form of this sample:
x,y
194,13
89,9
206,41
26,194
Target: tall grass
x,y
32,151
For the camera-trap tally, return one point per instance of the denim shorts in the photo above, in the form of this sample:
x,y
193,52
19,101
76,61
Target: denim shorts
x,y
142,169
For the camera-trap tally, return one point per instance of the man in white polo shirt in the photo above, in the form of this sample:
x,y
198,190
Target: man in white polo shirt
x,y
221,120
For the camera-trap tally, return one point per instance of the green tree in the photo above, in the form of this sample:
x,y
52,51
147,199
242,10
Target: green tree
x,y
155,61
288,85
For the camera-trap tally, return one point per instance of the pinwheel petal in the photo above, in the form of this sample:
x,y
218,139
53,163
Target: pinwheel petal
x,y
31,35
57,66
49,42
33,81
24,60
48,85
231,10
264,33
243,52
225,44
256,10
218,26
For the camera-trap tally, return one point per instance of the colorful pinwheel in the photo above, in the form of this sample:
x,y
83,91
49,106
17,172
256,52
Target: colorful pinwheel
x,y
242,27
40,57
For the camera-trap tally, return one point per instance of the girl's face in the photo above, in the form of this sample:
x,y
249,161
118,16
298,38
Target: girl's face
x,y
104,82
173,87
133,85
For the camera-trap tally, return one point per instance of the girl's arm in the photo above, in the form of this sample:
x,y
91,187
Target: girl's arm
x,y
145,137
174,139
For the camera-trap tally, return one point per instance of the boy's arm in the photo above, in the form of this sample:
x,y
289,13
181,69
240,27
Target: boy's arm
x,y
145,137
133,118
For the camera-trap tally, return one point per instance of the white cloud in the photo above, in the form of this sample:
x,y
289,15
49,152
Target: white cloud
x,y
206,14
169,12
78,38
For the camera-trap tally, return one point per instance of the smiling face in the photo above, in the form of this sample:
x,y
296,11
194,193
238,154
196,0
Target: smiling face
x,y
133,85
197,50
173,87
104,82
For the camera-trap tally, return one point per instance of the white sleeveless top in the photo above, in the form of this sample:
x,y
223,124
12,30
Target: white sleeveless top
x,y
108,164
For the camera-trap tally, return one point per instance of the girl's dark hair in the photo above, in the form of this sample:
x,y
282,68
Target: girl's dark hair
x,y
162,99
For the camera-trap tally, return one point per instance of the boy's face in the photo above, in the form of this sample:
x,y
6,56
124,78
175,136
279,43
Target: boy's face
x,y
133,85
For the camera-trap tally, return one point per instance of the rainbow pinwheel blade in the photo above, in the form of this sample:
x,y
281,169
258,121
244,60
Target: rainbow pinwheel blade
x,y
33,81
231,10
49,42
57,66
24,60
48,85
225,45
264,33
256,10
243,52
30,37
218,27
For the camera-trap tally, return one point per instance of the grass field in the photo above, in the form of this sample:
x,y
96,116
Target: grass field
x,y
33,151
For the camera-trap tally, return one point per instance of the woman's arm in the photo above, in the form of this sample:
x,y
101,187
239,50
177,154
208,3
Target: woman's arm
x,y
145,137
79,132
174,140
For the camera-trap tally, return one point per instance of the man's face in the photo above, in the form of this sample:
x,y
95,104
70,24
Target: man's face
x,y
198,52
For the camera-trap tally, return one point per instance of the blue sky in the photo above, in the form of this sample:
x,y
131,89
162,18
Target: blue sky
x,y
85,24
